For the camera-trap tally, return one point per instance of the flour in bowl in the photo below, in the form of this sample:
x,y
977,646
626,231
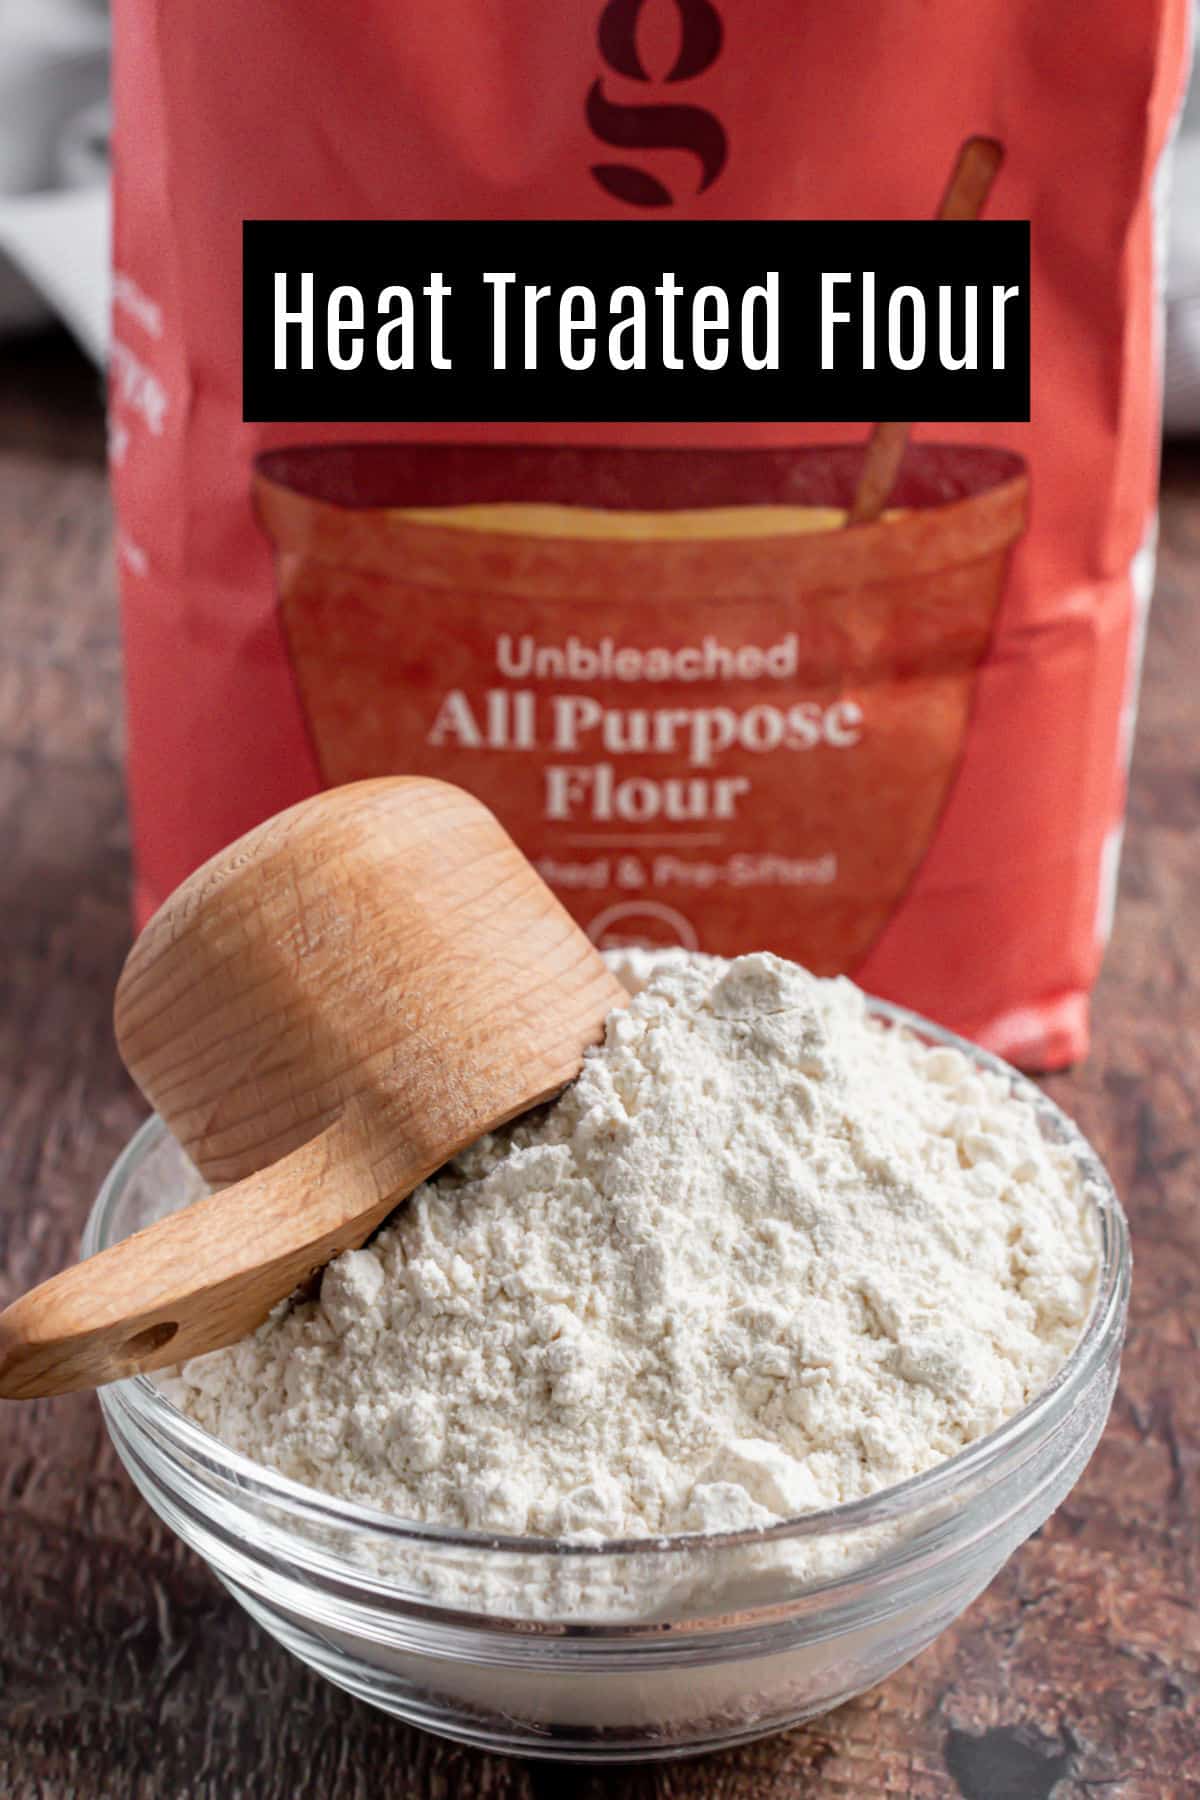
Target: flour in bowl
x,y
765,1255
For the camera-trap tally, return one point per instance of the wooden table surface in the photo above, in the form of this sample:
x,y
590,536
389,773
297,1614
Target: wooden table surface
x,y
125,1671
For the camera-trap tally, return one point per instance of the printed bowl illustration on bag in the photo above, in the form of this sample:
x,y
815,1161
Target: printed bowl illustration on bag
x,y
710,712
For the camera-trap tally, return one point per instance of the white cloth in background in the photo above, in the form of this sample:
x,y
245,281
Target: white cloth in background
x,y
54,210
58,243
1181,385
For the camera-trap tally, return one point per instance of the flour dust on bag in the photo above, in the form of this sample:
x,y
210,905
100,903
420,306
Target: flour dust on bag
x,y
712,712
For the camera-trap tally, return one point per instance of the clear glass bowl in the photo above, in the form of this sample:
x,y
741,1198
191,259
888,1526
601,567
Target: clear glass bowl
x,y
747,1632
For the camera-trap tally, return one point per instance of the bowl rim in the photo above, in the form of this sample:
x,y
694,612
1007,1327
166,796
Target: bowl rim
x,y
1011,1442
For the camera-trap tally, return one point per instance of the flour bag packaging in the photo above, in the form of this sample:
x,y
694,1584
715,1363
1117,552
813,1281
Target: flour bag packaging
x,y
712,712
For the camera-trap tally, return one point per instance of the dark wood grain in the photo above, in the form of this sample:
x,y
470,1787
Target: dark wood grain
x,y
125,1670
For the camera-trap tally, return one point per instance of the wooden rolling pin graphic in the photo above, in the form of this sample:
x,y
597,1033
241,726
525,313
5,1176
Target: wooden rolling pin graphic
x,y
323,1015
968,188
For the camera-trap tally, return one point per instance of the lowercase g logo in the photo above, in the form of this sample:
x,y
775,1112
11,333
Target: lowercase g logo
x,y
652,124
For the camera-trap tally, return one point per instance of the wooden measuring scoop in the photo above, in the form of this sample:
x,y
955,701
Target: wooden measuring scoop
x,y
323,1015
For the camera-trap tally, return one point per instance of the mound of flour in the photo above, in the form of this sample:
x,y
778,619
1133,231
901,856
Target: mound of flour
x,y
764,1255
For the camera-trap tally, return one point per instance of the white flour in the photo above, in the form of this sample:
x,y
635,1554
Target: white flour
x,y
765,1255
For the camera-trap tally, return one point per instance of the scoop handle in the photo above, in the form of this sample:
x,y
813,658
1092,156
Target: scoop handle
x,y
204,1276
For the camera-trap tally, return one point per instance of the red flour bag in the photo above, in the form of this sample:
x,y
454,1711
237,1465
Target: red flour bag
x,y
712,711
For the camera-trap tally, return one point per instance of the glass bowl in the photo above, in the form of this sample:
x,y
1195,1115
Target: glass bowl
x,y
616,1651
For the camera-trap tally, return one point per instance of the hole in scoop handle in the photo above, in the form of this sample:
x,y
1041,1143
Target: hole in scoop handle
x,y
202,1277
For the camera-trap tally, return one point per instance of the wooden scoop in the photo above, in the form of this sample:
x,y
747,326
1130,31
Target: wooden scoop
x,y
976,168
323,1015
